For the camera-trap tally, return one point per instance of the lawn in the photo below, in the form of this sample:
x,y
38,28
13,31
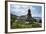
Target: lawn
x,y
22,24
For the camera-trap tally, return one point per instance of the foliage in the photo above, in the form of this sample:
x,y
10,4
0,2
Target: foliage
x,y
13,18
22,24
40,21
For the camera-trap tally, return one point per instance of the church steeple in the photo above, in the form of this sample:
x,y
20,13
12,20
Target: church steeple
x,y
29,16
29,13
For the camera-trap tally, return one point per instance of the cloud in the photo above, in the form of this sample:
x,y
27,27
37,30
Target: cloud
x,y
23,9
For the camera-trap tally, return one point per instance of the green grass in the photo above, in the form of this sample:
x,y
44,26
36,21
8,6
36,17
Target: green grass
x,y
22,24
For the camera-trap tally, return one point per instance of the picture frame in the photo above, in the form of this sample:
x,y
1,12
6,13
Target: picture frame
x,y
8,28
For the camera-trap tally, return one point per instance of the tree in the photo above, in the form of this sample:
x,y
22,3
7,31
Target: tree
x,y
40,21
13,18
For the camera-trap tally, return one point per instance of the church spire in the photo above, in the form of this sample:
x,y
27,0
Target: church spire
x,y
29,17
29,13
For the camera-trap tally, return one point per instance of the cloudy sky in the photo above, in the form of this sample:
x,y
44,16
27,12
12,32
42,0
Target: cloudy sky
x,y
20,10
